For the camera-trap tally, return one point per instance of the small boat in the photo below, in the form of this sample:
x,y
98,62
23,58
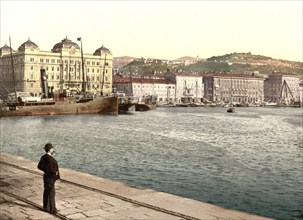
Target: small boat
x,y
231,110
126,108
142,107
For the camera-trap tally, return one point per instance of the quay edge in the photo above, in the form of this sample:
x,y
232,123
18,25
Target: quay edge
x,y
164,201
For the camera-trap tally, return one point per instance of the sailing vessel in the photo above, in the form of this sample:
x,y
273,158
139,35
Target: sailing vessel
x,y
28,106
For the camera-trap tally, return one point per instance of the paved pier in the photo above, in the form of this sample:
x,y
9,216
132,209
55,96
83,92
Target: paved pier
x,y
84,196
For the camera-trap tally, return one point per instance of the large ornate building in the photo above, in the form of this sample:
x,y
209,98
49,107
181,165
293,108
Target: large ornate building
x,y
63,66
238,88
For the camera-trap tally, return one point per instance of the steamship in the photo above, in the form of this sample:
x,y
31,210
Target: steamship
x,y
25,104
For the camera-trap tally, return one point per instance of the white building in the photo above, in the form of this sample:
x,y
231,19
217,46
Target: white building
x,y
62,65
189,87
145,89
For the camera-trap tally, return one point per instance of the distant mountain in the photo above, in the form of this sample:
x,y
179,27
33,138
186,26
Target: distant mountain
x,y
119,62
233,62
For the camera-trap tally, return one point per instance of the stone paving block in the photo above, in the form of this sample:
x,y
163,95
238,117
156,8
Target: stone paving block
x,y
36,214
69,211
141,213
94,218
96,212
116,216
76,216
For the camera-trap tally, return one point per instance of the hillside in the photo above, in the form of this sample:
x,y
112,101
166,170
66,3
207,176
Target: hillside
x,y
234,62
119,62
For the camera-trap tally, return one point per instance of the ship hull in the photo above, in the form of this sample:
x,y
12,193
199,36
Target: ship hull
x,y
145,107
103,105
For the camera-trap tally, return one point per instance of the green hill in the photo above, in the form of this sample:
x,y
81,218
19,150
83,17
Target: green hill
x,y
234,62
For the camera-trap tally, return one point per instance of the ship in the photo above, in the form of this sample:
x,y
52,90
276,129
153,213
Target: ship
x,y
50,103
100,105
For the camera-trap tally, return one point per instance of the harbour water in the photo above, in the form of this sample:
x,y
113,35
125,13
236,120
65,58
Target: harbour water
x,y
251,160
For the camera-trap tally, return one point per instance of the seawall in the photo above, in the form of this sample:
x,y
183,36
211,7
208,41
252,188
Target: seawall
x,y
84,196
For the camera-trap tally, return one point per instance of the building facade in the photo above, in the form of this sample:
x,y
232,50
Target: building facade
x,y
189,87
145,89
275,90
236,88
63,66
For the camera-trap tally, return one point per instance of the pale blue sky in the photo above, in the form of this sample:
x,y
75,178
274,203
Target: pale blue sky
x,y
159,29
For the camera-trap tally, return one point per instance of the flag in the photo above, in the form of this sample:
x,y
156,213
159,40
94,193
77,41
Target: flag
x,y
79,38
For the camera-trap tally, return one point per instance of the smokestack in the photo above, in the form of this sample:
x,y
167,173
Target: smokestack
x,y
44,83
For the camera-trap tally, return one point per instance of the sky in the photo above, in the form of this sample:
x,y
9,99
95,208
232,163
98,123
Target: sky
x,y
159,29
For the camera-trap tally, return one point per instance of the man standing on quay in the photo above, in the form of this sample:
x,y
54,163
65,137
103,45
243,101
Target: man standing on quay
x,y
49,166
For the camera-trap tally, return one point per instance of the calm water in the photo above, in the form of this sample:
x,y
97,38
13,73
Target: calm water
x,y
250,160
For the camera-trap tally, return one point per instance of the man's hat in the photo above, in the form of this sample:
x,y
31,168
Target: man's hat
x,y
48,146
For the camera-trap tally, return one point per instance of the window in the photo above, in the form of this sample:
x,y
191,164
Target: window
x,y
93,63
47,60
32,67
58,69
41,60
88,62
98,63
58,77
53,60
32,59
53,68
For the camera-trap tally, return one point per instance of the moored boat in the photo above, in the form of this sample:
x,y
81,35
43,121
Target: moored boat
x,y
231,110
101,105
145,107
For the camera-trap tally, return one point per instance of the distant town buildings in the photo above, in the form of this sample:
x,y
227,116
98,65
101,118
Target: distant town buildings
x,y
238,88
64,72
62,65
279,86
188,87
145,89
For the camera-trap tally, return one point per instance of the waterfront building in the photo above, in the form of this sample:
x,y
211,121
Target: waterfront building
x,y
145,89
301,93
62,65
274,87
236,88
189,87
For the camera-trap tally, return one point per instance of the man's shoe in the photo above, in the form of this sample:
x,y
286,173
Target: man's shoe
x,y
54,211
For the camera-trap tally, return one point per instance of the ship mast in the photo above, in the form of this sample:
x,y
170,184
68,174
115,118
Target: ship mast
x,y
12,61
82,62
102,85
